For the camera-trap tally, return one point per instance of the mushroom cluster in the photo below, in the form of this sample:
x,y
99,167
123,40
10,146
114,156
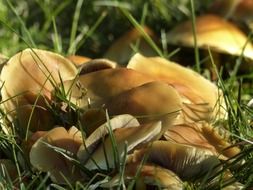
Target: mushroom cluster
x,y
150,123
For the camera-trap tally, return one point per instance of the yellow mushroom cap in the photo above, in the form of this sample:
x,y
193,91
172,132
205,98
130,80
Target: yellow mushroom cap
x,y
214,32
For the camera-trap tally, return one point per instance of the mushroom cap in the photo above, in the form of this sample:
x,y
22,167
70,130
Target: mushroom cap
x,y
214,32
149,175
192,87
44,157
129,137
37,116
152,101
186,161
96,65
78,60
100,85
91,119
33,70
120,121
121,51
202,135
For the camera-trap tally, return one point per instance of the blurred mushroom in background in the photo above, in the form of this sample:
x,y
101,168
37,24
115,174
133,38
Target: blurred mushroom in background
x,y
215,33
121,50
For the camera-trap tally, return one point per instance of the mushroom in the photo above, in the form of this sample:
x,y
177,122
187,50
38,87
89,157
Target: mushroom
x,y
120,121
96,65
202,135
152,101
200,96
219,35
36,72
78,60
104,156
147,175
91,119
100,85
185,161
45,154
121,50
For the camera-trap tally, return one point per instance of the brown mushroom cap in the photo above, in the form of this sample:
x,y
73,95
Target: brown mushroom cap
x,y
45,158
152,101
96,65
103,84
130,137
150,175
214,32
186,161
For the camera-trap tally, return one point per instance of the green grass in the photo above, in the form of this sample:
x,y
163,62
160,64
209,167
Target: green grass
x,y
89,29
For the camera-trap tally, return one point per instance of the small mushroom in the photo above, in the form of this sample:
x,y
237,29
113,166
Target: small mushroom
x,y
120,121
45,157
147,175
124,137
152,101
185,161
121,50
199,95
